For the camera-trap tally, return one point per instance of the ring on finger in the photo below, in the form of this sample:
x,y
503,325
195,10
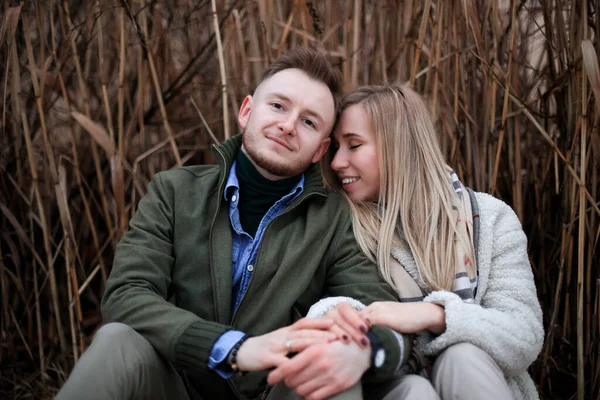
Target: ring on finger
x,y
288,344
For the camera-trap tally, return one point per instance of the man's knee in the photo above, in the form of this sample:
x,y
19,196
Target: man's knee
x,y
116,338
114,331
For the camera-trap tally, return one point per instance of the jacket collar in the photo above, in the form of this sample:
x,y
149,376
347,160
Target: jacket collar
x,y
226,152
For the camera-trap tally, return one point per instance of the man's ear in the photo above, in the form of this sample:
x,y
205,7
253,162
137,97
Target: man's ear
x,y
322,149
244,113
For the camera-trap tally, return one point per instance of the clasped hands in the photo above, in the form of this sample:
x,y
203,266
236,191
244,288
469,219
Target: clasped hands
x,y
332,353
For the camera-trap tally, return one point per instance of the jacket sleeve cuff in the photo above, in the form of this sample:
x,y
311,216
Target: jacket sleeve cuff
x,y
321,307
192,350
397,350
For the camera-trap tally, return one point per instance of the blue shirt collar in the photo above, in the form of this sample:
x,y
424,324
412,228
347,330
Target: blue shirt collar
x,y
233,185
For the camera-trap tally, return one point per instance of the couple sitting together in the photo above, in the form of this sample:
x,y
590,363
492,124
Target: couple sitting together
x,y
373,275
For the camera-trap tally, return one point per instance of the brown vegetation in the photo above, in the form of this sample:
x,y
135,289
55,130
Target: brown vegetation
x,y
99,95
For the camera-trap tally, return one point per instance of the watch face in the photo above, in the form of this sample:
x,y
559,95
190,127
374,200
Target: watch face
x,y
379,358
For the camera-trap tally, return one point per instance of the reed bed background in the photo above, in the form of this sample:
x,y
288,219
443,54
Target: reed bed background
x,y
97,96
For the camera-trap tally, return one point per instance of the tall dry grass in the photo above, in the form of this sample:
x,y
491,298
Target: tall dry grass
x,y
97,96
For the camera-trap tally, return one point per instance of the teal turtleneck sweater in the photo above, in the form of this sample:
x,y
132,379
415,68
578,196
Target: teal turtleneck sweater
x,y
257,193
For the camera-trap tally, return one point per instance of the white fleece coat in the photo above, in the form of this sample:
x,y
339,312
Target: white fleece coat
x,y
506,318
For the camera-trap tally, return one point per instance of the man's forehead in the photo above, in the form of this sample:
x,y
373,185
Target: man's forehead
x,y
295,85
293,80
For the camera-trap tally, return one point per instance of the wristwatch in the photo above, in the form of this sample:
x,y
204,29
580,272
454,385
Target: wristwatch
x,y
377,351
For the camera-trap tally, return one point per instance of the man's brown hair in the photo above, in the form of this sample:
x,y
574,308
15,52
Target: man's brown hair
x,y
314,64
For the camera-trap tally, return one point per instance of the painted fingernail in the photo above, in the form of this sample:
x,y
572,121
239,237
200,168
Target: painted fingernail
x,y
363,329
364,341
345,337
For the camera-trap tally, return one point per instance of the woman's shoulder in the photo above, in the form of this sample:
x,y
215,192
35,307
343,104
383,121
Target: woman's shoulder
x,y
495,213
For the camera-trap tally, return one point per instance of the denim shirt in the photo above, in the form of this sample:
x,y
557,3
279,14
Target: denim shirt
x,y
243,257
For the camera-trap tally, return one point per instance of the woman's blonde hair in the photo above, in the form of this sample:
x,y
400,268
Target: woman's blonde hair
x,y
415,194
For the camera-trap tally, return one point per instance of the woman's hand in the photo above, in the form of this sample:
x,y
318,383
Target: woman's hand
x,y
406,317
349,325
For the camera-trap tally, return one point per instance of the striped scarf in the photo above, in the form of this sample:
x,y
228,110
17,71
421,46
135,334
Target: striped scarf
x,y
405,273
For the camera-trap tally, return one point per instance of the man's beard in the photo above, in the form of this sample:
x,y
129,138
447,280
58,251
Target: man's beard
x,y
263,161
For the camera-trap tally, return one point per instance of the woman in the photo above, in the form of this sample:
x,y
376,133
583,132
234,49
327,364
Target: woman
x,y
457,259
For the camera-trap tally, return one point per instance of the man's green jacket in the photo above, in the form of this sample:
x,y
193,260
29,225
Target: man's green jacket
x,y
172,274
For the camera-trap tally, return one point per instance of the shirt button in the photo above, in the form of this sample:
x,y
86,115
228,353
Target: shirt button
x,y
250,268
233,198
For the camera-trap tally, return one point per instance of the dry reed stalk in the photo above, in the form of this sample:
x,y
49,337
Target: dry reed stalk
x,y
5,300
592,71
596,374
83,92
11,20
21,335
63,210
69,251
581,236
70,297
242,50
570,169
284,34
222,71
381,38
567,314
38,319
141,76
116,164
77,169
305,35
9,26
210,132
254,47
38,197
437,63
38,101
356,41
511,56
456,68
547,348
303,21
421,39
158,93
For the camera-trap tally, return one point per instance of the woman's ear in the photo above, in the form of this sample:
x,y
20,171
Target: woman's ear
x,y
244,113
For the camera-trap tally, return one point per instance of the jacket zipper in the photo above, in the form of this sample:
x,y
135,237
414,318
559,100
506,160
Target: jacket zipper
x,y
231,384
260,246
229,381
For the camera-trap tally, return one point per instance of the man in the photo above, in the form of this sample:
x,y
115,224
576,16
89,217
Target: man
x,y
246,247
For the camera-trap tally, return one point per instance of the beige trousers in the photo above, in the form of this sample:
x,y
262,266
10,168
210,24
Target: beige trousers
x,y
121,364
462,371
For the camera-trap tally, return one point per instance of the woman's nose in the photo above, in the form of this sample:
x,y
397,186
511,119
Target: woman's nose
x,y
339,161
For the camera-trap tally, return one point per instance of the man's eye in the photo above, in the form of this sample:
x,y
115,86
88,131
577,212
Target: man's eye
x,y
277,106
309,123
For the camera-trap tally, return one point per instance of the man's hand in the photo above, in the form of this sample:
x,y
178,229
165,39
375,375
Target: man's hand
x,y
323,370
270,350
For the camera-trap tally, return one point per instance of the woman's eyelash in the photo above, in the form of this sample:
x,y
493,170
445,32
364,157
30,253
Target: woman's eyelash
x,y
355,146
